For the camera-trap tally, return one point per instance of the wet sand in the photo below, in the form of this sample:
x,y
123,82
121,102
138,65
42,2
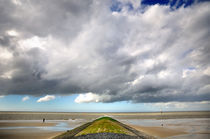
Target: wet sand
x,y
195,128
21,125
27,134
25,124
16,129
158,131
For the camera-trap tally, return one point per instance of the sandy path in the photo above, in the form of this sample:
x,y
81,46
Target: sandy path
x,y
158,131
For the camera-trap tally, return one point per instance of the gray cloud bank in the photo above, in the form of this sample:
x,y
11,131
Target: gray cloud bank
x,y
153,54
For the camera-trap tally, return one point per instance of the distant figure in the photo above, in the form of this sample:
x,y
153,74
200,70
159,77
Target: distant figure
x,y
161,112
43,120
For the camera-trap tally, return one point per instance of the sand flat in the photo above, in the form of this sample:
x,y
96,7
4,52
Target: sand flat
x,y
158,131
176,124
27,134
25,124
90,116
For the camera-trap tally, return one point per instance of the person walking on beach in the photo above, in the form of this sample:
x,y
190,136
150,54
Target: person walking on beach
x,y
43,120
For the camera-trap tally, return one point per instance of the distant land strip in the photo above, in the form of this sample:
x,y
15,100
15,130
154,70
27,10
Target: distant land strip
x,y
89,116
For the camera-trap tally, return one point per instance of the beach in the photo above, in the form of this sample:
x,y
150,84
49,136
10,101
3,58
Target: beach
x,y
27,134
26,129
25,124
158,131
35,129
168,125
187,128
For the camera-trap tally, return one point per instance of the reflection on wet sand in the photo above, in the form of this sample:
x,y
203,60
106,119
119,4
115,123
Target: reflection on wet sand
x,y
28,134
34,129
173,128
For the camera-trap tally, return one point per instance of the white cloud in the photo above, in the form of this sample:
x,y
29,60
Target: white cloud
x,y
170,105
25,98
180,105
163,74
88,97
7,75
5,54
12,33
34,42
136,81
187,72
149,63
1,96
17,2
91,97
207,71
46,98
204,90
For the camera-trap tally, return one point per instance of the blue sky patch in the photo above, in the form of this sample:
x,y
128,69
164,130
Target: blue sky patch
x,y
174,4
116,6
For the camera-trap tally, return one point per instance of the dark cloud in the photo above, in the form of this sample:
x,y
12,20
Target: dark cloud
x,y
76,47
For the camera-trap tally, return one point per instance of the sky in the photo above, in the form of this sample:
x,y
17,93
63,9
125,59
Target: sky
x,y
104,56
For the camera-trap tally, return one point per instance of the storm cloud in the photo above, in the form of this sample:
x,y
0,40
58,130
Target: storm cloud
x,y
141,54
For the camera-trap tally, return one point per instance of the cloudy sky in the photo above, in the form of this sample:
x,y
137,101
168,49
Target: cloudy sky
x,y
110,55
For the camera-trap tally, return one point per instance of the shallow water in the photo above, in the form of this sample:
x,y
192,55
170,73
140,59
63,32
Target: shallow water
x,y
61,125
197,128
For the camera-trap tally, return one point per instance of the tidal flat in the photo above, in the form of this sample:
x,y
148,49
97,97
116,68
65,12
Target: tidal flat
x,y
94,115
161,125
